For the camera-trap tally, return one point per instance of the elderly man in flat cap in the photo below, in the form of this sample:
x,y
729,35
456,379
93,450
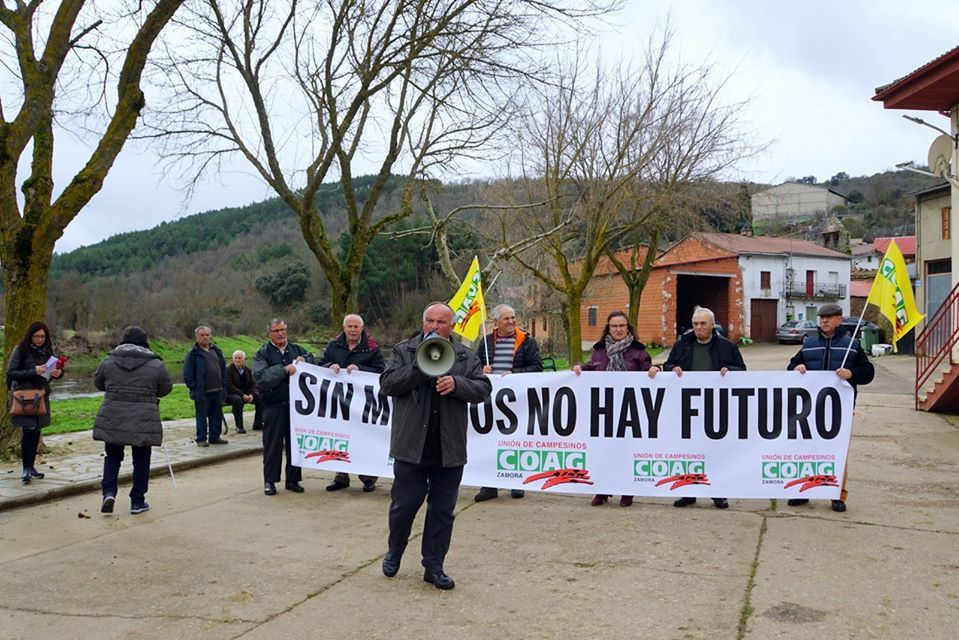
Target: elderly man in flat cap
x,y
827,352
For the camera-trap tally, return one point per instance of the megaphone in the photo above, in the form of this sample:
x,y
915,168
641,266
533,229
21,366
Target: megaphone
x,y
435,355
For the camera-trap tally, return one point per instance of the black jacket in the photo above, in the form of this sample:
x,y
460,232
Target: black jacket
x,y
367,355
722,352
22,370
410,389
269,375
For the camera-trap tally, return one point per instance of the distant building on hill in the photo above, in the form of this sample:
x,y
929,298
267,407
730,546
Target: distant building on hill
x,y
794,200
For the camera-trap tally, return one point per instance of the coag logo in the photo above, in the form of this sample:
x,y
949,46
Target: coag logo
x,y
324,449
676,473
795,470
535,460
663,468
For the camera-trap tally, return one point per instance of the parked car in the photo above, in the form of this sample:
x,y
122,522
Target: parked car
x,y
795,330
849,325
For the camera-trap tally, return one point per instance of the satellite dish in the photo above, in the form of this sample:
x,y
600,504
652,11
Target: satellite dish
x,y
940,156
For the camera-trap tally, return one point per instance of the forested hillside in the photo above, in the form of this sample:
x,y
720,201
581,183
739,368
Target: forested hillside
x,y
236,268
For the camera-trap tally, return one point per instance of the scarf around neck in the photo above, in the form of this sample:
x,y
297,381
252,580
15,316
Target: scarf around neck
x,y
615,350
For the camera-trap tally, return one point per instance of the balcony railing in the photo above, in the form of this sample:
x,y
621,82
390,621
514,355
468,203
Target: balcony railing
x,y
816,291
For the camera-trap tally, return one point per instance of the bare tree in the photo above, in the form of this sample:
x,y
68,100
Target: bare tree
x,y
49,53
616,150
308,91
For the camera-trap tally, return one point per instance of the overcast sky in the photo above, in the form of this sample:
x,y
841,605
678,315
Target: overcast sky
x,y
808,68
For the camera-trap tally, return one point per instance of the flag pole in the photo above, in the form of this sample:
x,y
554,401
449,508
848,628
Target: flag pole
x,y
853,336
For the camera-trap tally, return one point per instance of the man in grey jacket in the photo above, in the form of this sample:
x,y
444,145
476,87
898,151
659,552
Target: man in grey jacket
x,y
428,442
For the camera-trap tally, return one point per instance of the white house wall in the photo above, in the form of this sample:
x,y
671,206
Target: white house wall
x,y
752,265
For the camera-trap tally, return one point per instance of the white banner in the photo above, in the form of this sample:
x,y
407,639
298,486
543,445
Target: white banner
x,y
755,434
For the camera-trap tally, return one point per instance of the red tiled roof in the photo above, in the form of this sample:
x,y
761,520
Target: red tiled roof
x,y
906,244
859,288
768,244
863,249
932,87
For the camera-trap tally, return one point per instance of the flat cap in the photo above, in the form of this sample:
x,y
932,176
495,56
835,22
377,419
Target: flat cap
x,y
830,309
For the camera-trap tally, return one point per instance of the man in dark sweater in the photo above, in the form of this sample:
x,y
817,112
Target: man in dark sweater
x,y
353,350
702,349
204,372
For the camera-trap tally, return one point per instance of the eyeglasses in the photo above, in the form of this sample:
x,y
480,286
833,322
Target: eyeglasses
x,y
283,330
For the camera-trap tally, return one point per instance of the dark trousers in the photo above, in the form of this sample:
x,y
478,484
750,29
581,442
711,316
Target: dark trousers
x,y
209,416
29,442
276,440
111,471
411,484
236,403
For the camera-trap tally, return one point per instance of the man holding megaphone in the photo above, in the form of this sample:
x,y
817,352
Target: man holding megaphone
x,y
432,380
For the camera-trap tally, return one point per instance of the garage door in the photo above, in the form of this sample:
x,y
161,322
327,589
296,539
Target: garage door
x,y
762,320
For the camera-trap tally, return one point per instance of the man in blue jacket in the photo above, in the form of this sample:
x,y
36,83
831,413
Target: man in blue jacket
x,y
833,350
204,372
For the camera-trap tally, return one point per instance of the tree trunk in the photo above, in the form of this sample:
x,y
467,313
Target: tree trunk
x,y
574,328
25,286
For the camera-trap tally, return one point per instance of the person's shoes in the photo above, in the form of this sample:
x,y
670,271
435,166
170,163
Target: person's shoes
x,y
219,441
202,443
295,487
240,430
34,474
439,579
107,505
838,506
269,488
391,564
258,427
721,503
486,493
226,427
139,507
516,493
599,500
369,485
797,502
684,502
336,485
25,476
626,501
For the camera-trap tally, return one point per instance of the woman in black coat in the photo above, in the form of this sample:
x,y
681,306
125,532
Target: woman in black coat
x,y
27,369
134,380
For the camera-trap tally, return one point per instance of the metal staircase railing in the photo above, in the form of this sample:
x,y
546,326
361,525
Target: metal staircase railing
x,y
937,339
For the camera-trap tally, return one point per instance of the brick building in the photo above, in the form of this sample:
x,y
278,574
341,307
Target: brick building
x,y
751,284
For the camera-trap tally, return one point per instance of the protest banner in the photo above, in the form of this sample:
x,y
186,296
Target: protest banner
x,y
769,434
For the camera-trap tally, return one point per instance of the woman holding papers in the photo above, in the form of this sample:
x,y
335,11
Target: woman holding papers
x,y
31,365
617,350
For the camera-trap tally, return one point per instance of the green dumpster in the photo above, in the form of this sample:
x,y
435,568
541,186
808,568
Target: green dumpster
x,y
869,337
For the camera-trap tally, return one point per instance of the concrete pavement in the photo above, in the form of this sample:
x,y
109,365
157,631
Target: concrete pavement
x,y
215,558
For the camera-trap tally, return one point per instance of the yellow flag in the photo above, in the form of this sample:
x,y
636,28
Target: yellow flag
x,y
892,292
469,310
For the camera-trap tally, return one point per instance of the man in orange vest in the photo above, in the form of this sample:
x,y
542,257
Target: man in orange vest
x,y
507,349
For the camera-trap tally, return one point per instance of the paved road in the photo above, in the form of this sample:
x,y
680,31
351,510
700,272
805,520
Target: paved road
x,y
215,558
